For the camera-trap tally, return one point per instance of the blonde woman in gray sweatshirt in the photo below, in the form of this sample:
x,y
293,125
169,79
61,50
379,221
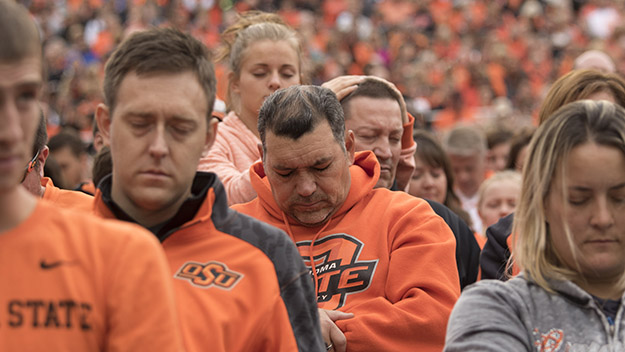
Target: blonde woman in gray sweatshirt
x,y
569,242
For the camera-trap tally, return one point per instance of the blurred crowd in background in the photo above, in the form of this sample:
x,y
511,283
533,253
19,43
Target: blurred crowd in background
x,y
483,61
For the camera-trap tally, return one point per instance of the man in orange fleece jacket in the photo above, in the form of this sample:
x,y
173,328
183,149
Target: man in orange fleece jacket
x,y
240,284
383,262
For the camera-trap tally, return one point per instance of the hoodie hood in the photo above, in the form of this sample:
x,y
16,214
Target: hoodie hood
x,y
364,172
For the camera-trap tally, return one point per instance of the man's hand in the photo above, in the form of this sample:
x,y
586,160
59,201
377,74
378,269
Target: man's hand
x,y
402,103
332,335
343,85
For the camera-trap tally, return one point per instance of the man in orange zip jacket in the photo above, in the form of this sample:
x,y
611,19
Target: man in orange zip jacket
x,y
67,282
240,284
384,258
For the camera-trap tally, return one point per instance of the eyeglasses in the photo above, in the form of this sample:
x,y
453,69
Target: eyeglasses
x,y
31,165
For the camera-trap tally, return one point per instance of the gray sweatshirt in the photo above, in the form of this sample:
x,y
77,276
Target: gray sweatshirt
x,y
519,315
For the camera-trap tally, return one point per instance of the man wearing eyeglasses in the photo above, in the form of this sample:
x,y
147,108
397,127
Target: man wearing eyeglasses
x,y
43,187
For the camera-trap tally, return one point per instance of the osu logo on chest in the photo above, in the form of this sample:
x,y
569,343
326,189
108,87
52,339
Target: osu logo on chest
x,y
208,274
339,272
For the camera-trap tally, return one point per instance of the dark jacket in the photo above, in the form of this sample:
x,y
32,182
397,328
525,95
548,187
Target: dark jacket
x,y
495,253
467,249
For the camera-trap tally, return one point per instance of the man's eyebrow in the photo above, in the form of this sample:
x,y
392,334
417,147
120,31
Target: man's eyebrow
x,y
322,161
619,186
148,114
30,84
138,114
373,128
316,163
183,119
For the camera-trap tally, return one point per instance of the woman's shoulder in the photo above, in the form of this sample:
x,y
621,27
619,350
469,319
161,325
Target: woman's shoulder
x,y
516,292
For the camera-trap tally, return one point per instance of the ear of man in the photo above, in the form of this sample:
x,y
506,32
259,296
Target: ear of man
x,y
103,119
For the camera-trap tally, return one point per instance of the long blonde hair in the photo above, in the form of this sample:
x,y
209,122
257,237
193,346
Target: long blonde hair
x,y
599,122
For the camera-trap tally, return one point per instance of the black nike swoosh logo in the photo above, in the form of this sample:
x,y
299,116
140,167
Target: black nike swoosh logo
x,y
51,265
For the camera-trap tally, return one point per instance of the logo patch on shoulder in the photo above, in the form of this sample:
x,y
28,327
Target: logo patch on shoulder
x,y
208,274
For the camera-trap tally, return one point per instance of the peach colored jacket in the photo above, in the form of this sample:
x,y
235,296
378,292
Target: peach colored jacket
x,y
234,151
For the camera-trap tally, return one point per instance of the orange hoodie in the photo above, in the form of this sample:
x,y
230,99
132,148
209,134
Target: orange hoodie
x,y
384,256
79,283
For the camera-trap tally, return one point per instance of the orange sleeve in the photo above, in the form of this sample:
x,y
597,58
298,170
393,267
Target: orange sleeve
x,y
421,288
139,297
406,165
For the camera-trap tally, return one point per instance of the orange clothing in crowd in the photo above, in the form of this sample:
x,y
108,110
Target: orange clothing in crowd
x,y
384,256
239,283
230,157
87,188
66,198
480,239
448,117
79,283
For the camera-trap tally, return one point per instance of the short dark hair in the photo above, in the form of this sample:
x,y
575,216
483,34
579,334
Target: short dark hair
x,y
67,139
19,36
297,110
159,50
372,88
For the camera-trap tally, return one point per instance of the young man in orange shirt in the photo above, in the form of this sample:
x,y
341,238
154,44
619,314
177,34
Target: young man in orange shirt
x,y
67,283
240,284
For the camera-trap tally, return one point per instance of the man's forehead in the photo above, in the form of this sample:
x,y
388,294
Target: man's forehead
x,y
24,72
363,108
308,150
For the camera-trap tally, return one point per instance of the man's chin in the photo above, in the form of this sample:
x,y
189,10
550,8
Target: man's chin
x,y
311,219
153,198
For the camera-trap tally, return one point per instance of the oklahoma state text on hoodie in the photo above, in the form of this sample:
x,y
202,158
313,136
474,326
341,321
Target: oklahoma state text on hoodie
x,y
80,283
384,256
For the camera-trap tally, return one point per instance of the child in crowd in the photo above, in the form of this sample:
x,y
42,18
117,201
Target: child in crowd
x,y
498,197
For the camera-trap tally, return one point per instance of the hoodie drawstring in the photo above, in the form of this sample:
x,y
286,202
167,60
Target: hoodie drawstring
x,y
311,257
